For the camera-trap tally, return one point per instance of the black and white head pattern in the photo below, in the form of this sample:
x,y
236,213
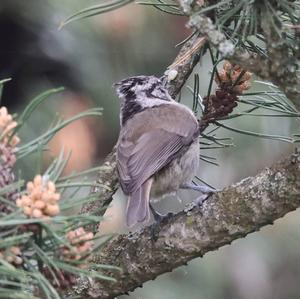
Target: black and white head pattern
x,y
140,92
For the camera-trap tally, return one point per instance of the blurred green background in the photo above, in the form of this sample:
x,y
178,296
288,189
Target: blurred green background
x,y
87,57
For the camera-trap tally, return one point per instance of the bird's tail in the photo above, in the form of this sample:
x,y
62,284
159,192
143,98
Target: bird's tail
x,y
138,205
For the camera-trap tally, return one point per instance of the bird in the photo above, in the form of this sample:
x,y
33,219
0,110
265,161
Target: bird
x,y
158,146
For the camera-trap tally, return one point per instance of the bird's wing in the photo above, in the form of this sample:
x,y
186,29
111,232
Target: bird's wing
x,y
150,140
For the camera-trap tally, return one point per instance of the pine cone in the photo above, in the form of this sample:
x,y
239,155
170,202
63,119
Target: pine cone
x,y
81,245
12,255
7,161
228,76
8,143
220,104
7,125
40,200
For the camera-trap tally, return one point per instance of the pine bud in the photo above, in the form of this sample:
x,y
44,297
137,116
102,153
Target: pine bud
x,y
231,77
40,200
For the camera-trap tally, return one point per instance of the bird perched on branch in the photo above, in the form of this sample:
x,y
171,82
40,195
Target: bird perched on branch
x,y
158,146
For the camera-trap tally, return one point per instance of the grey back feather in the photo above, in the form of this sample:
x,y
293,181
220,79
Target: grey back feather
x,y
150,140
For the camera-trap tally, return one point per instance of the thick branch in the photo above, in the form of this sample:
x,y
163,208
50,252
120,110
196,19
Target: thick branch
x,y
228,215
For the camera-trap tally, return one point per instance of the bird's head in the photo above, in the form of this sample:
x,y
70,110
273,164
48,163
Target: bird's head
x,y
142,89
139,93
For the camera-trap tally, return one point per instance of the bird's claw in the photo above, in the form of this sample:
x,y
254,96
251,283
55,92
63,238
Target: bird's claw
x,y
199,188
159,218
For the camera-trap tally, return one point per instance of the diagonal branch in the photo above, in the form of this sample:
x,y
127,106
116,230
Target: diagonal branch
x,y
238,210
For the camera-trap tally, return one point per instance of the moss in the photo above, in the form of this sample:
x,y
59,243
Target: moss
x,y
189,221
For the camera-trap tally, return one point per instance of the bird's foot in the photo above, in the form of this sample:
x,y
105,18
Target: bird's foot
x,y
205,190
199,188
201,199
158,219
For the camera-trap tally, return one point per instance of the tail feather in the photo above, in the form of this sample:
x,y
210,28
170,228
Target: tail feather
x,y
138,205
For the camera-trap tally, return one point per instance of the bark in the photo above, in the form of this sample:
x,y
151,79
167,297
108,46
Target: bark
x,y
105,186
238,210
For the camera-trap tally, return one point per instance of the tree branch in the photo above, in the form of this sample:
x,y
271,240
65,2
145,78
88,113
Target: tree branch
x,y
238,210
